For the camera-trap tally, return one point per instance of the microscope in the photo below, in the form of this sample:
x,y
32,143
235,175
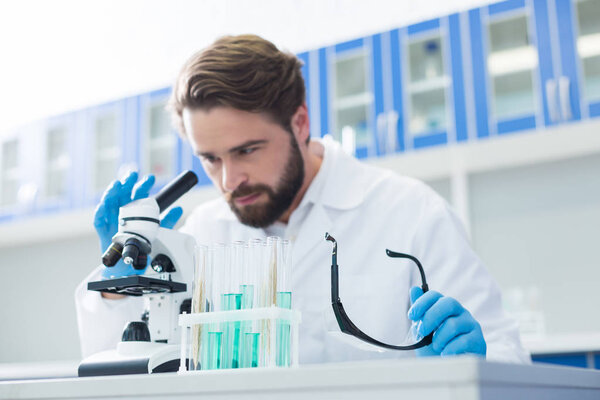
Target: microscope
x,y
151,344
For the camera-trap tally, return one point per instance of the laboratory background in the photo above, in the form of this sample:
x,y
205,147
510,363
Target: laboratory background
x,y
495,105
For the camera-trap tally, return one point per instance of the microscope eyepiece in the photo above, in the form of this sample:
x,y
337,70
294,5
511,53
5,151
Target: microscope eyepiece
x,y
175,189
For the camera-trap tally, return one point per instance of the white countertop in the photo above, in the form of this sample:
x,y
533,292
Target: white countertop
x,y
462,378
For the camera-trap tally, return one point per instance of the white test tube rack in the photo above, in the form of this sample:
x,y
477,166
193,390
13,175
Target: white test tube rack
x,y
272,314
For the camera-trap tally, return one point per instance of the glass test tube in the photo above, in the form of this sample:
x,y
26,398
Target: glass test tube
x,y
198,304
232,300
211,338
284,300
247,291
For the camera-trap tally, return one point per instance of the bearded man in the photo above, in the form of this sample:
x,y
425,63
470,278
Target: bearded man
x,y
241,105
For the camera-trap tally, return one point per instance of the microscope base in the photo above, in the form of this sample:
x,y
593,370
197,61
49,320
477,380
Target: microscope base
x,y
132,358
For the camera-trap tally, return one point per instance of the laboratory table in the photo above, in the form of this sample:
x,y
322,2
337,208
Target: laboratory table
x,y
464,378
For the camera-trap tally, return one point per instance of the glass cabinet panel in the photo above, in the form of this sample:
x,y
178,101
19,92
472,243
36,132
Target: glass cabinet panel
x,y
512,60
57,162
427,86
9,178
106,151
588,46
352,97
160,150
426,60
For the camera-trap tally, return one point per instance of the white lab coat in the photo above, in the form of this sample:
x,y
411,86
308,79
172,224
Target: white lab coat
x,y
367,210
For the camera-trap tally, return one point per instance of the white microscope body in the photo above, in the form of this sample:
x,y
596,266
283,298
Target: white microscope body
x,y
151,344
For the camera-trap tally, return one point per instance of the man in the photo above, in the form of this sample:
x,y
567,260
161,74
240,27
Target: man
x,y
241,105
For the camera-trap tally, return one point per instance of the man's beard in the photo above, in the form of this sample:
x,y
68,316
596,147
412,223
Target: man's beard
x,y
279,199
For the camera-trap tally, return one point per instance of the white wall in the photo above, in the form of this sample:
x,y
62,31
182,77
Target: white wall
x,y
38,310
538,226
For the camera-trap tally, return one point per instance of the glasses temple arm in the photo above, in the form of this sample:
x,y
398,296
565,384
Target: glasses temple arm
x,y
395,254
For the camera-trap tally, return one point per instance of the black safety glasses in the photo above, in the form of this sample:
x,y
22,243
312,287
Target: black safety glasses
x,y
344,321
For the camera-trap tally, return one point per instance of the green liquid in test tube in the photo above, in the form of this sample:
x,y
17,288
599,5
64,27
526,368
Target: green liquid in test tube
x,y
247,296
251,342
284,300
246,326
211,354
231,331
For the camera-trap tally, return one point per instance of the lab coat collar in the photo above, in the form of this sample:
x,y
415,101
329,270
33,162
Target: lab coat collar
x,y
339,184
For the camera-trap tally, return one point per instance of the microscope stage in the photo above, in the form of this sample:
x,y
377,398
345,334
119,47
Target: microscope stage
x,y
137,285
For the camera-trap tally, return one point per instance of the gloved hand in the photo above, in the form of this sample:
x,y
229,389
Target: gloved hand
x,y
455,329
106,216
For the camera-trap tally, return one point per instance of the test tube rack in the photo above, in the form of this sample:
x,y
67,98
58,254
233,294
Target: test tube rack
x,y
270,318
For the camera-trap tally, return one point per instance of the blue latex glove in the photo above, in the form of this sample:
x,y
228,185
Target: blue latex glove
x,y
106,216
455,329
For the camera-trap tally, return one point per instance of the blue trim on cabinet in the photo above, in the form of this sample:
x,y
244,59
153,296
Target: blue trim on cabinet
x,y
397,86
505,6
349,45
306,75
517,124
377,72
571,360
594,110
597,361
544,49
424,26
479,74
361,152
323,89
432,139
458,85
569,56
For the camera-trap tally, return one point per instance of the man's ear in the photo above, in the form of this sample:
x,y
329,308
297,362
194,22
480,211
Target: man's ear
x,y
300,124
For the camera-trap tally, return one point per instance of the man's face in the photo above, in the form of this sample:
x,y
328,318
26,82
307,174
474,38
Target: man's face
x,y
254,161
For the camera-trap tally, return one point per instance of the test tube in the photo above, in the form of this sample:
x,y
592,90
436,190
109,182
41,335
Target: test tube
x,y
211,336
232,300
198,304
284,300
274,249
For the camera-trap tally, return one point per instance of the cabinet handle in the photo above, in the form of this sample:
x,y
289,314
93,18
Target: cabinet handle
x,y
564,86
382,133
392,131
551,99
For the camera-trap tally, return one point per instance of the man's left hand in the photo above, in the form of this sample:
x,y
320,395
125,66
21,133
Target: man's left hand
x,y
455,329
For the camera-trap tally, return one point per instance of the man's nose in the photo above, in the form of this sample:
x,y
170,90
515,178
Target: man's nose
x,y
232,176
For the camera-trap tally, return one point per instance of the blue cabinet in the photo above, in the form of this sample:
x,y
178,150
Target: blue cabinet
x,y
351,93
11,165
108,146
513,73
535,63
578,39
159,145
429,90
56,160
507,67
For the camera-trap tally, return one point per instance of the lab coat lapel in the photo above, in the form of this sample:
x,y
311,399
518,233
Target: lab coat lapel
x,y
312,231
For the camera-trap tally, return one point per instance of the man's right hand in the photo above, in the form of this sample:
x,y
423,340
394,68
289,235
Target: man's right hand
x,y
106,216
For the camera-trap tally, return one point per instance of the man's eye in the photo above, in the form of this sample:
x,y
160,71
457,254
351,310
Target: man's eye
x,y
247,150
210,159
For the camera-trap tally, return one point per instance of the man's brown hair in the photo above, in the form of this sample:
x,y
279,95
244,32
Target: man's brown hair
x,y
244,72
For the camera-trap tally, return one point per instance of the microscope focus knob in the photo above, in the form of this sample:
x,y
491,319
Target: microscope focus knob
x,y
136,331
162,263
